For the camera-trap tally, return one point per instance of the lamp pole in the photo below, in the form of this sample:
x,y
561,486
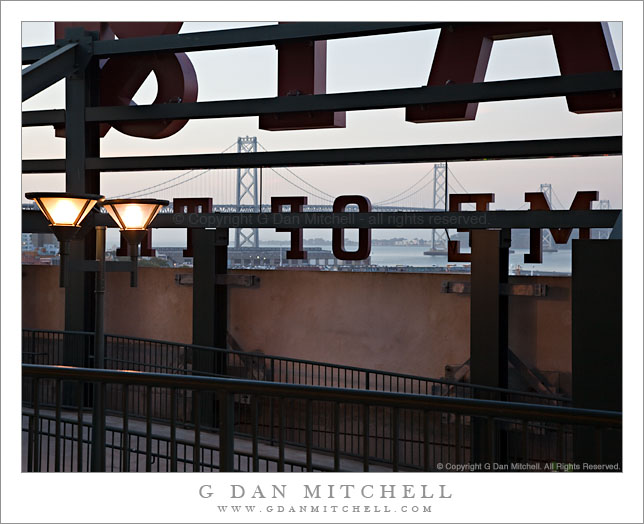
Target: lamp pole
x,y
65,212
98,415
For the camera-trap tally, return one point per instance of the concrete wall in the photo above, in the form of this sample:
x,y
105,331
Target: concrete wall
x,y
393,321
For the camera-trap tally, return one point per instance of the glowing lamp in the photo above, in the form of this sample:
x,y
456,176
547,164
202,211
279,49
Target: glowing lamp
x,y
64,210
133,214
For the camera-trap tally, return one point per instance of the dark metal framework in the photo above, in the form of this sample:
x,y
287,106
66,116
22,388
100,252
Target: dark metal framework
x,y
156,356
371,408
34,221
83,163
477,92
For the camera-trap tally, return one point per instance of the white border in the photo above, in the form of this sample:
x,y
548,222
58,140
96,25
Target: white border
x,y
174,498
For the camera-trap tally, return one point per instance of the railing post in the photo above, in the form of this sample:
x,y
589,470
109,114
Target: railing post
x,y
36,448
30,443
196,450
226,431
173,429
98,428
80,386
309,434
336,435
427,442
254,432
125,436
57,457
366,423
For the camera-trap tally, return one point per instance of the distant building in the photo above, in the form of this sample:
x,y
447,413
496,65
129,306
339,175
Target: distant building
x,y
267,257
27,242
48,249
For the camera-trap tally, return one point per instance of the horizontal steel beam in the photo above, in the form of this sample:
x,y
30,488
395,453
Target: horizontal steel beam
x,y
525,149
238,38
255,36
357,101
393,220
32,54
517,290
49,70
478,92
43,117
34,221
92,266
474,407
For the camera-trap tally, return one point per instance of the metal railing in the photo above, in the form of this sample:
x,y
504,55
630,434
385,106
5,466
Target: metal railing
x,y
446,430
159,356
155,356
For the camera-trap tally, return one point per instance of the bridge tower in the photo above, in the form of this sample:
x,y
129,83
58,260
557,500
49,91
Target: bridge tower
x,y
439,238
247,193
547,241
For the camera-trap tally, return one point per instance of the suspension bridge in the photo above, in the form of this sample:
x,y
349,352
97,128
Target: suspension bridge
x,y
249,190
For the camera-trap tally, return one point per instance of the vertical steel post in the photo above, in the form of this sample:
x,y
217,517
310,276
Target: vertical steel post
x,y
209,308
489,326
226,432
99,293
597,341
98,416
82,140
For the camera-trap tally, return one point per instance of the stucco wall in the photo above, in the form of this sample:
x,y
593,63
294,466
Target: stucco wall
x,y
394,321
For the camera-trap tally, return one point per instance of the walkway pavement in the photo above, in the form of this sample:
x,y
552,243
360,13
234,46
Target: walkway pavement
x,y
294,457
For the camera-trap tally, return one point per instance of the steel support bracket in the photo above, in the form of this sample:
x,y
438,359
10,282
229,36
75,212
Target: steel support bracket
x,y
229,280
512,290
71,55
49,70
238,280
91,266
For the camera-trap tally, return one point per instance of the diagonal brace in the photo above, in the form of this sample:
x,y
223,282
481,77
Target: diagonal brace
x,y
49,70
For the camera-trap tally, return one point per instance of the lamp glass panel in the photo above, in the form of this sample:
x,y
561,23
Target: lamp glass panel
x,y
65,211
87,210
132,215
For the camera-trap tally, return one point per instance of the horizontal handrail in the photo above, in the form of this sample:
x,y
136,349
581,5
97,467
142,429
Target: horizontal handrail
x,y
57,331
472,407
340,367
357,369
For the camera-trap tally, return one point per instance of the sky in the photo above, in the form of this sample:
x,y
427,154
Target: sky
x,y
356,64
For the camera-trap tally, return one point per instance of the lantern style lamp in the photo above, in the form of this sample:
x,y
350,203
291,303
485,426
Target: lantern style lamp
x,y
65,212
133,216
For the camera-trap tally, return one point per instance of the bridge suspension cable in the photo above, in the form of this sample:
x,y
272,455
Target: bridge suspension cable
x,y
147,190
410,194
392,199
457,180
329,198
301,188
557,198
